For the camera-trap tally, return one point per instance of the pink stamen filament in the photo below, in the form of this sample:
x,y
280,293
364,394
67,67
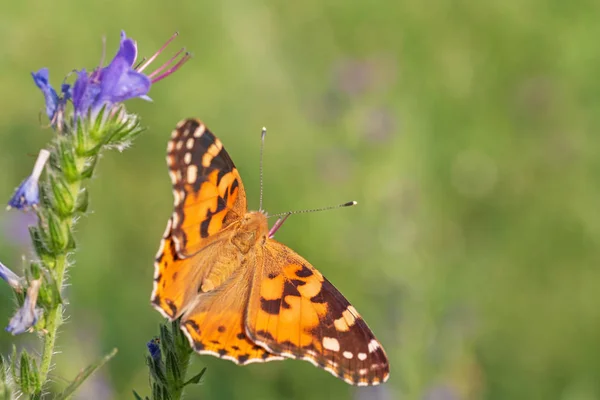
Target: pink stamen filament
x,y
165,65
186,57
143,66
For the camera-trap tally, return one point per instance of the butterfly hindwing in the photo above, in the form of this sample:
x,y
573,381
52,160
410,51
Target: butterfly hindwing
x,y
215,325
207,188
295,312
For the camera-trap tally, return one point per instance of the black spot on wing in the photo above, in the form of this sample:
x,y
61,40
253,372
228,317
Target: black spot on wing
x,y
233,187
270,306
264,334
304,272
190,324
198,346
172,307
204,227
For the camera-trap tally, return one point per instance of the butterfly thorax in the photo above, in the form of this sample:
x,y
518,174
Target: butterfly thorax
x,y
252,228
246,234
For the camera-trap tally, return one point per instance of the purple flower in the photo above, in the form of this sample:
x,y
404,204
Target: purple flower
x,y
41,80
10,277
120,80
28,315
105,86
54,103
28,193
154,348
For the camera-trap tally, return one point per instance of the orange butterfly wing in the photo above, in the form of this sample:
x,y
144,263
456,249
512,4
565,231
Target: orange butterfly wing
x,y
208,196
207,187
209,200
295,312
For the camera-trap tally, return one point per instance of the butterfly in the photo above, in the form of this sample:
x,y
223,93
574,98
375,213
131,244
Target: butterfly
x,y
241,295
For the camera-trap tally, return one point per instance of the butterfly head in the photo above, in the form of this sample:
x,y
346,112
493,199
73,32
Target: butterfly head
x,y
253,227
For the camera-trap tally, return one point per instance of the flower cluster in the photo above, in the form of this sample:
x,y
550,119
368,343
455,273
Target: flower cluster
x,y
87,116
120,80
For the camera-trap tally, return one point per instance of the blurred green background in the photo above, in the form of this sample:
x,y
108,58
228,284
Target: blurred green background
x,y
464,129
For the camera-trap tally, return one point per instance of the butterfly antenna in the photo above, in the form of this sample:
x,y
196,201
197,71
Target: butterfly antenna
x,y
262,146
283,216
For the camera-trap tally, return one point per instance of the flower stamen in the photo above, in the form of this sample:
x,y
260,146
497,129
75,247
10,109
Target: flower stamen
x,y
153,57
165,65
183,60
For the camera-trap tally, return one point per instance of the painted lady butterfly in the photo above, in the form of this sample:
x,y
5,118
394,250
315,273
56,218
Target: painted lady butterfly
x,y
241,295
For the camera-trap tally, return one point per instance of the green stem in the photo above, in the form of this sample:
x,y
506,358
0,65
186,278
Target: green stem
x,y
53,321
184,362
54,316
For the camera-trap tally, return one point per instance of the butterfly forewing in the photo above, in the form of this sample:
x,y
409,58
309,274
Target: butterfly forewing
x,y
208,196
207,188
295,312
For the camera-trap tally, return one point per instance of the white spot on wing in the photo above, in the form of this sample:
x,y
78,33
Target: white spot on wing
x,y
373,345
192,174
362,356
348,355
331,344
189,144
199,131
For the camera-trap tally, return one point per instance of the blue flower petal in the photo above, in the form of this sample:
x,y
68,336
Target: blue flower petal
x,y
65,88
127,50
27,195
28,315
85,92
154,349
10,277
128,85
24,319
41,79
28,192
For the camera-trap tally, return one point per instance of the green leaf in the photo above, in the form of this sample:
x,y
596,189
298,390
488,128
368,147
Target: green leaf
x,y
25,378
196,379
83,375
5,389
82,201
40,247
80,139
67,161
138,397
58,233
88,171
62,198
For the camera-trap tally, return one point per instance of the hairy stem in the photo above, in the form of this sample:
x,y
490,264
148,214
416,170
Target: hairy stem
x,y
54,315
53,321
